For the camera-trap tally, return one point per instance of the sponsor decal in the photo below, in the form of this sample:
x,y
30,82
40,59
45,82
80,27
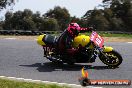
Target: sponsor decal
x,y
86,81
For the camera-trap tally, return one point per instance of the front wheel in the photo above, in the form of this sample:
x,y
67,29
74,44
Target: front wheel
x,y
112,59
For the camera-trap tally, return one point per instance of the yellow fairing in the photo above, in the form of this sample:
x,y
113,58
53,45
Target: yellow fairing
x,y
81,40
39,40
107,49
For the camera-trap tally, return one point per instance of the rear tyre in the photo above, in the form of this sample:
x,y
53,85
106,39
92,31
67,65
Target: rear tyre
x,y
113,59
70,63
57,62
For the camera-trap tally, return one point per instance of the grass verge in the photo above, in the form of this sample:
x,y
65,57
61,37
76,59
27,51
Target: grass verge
x,y
112,35
5,83
116,35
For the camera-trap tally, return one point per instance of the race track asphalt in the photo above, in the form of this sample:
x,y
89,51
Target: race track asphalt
x,y
24,59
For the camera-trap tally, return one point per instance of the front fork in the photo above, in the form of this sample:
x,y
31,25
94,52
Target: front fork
x,y
97,51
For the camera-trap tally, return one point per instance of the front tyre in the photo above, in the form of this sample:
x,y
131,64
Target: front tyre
x,y
112,59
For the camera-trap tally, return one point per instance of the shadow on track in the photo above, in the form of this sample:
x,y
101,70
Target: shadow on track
x,y
49,67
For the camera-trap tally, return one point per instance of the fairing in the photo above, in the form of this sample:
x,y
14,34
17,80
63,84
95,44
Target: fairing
x,y
40,40
82,40
107,49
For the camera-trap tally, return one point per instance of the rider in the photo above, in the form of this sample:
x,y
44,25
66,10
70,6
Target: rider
x,y
67,38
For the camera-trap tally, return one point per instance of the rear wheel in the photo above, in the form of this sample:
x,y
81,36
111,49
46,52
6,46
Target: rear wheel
x,y
112,59
70,63
57,62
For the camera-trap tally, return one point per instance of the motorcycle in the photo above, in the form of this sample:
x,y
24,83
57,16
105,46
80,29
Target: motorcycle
x,y
85,49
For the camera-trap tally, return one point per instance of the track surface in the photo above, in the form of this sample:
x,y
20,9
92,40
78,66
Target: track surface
x,y
24,59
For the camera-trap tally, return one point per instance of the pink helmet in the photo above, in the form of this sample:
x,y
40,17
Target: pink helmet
x,y
73,28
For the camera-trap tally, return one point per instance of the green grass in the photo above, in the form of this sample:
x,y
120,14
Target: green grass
x,y
116,35
16,84
112,35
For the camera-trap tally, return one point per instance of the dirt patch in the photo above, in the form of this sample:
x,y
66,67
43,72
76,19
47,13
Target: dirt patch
x,y
117,39
107,39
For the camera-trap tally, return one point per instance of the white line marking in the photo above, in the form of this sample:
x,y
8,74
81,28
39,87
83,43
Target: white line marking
x,y
129,42
47,82
10,38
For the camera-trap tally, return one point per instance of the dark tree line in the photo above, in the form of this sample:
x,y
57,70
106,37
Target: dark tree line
x,y
116,15
5,3
54,20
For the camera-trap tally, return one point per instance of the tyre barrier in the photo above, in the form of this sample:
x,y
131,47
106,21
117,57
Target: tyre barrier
x,y
22,32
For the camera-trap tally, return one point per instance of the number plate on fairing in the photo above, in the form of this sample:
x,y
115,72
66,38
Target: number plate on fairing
x,y
98,40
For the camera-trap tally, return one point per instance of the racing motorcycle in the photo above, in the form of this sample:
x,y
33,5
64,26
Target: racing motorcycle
x,y
85,49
